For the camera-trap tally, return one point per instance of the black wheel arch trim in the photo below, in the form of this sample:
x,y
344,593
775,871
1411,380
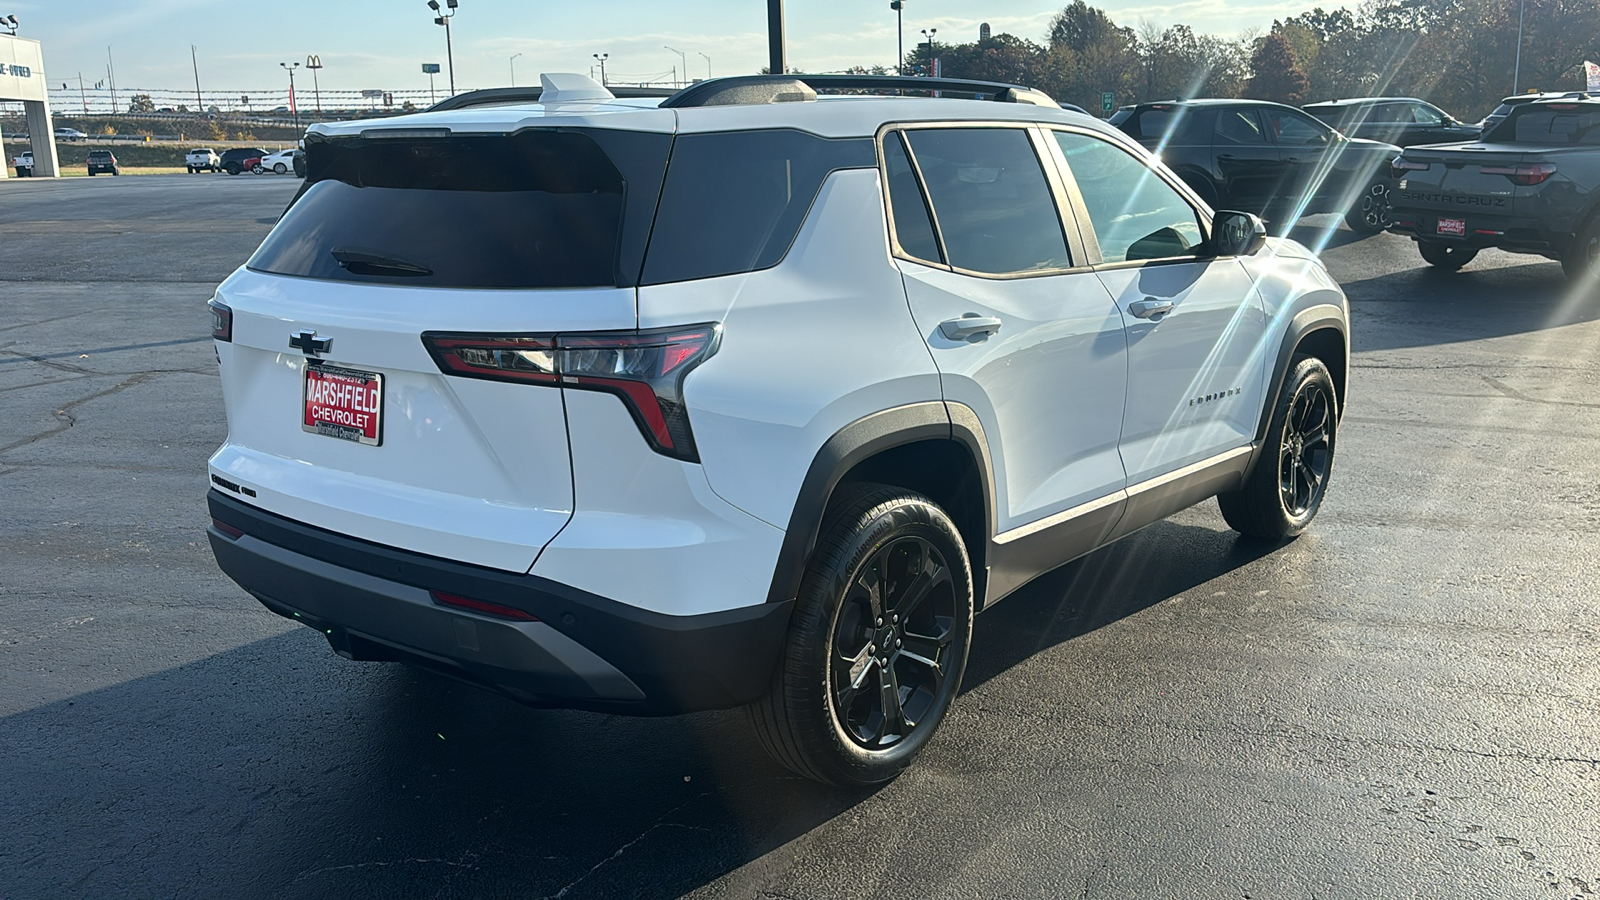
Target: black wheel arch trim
x,y
860,440
1320,317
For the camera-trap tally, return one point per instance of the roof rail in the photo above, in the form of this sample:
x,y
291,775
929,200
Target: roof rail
x,y
781,88
493,96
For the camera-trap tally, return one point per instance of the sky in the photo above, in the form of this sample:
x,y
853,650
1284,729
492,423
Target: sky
x,y
381,44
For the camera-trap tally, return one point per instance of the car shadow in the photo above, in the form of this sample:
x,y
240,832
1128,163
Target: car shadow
x,y
276,769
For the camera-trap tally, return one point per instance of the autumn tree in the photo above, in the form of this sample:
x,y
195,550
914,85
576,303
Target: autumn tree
x,y
1277,75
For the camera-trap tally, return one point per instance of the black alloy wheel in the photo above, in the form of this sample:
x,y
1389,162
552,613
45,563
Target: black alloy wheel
x,y
891,643
1582,262
877,643
1305,453
1371,213
1284,489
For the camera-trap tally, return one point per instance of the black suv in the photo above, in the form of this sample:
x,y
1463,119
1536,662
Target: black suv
x,y
103,161
234,161
1507,104
1403,121
1266,158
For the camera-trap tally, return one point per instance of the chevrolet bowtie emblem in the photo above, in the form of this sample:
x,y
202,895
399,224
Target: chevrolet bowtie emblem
x,y
308,343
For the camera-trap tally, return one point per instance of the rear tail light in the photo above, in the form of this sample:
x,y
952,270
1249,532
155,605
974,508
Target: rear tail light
x,y
1522,173
221,321
644,368
481,606
1400,166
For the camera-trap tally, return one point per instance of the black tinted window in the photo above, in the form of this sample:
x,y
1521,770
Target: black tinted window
x,y
912,226
1169,125
1295,129
541,209
994,207
734,201
1239,126
1558,125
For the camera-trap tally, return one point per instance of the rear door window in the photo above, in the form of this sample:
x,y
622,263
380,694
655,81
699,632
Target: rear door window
x,y
1239,126
913,225
540,209
993,204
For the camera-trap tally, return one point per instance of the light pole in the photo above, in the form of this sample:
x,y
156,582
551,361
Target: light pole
x,y
514,68
602,57
194,57
899,8
777,64
682,58
294,108
443,18
1516,74
708,64
314,62
932,60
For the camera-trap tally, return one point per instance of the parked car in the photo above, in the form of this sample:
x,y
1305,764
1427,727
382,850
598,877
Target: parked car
x,y
69,134
1507,104
577,491
1266,158
23,163
240,159
1402,121
103,161
202,159
1532,185
279,163
299,163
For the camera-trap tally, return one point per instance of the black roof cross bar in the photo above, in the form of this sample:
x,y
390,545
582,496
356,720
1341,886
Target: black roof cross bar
x,y
531,94
783,88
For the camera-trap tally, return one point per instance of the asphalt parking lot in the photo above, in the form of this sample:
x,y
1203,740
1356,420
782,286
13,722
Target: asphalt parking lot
x,y
1403,703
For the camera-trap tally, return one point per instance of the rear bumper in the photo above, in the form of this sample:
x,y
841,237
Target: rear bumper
x,y
586,652
1506,232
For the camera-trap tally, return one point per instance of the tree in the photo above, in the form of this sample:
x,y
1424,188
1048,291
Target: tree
x,y
141,103
1277,73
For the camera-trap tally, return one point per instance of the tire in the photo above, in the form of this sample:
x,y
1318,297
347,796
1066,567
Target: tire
x,y
256,169
1581,262
190,169
280,169
91,173
1282,494
233,168
116,171
1449,257
825,715
1370,215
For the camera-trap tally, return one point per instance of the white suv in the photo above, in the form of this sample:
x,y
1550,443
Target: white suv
x,y
745,397
202,159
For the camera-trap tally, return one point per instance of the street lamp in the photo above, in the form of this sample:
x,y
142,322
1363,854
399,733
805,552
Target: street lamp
x,y
602,57
443,18
1516,74
514,68
682,60
314,62
293,107
899,8
708,64
932,60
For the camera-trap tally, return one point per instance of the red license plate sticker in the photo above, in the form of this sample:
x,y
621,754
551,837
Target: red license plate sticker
x,y
343,403
1457,227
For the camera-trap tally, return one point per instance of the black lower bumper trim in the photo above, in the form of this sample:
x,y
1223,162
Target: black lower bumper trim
x,y
585,651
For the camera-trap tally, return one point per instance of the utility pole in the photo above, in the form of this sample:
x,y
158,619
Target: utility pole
x,y
294,108
708,64
82,94
899,8
514,68
602,57
199,104
1516,74
111,79
775,60
314,62
443,18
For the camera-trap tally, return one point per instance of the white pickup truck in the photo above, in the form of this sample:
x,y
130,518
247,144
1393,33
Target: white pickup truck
x,y
24,164
202,159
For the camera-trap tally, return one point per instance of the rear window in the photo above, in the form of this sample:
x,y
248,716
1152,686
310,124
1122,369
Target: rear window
x,y
540,209
1555,125
734,201
99,154
1170,124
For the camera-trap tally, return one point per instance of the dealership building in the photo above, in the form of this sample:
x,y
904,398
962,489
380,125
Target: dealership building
x,y
22,78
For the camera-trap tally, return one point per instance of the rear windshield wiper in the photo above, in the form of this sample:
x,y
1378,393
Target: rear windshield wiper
x,y
359,263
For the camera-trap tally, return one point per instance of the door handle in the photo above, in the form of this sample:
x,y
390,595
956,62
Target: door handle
x,y
969,326
1150,308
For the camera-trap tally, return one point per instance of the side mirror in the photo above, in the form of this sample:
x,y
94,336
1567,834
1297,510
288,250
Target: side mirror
x,y
1236,234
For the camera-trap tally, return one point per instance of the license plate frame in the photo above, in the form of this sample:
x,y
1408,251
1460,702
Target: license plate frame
x,y
342,414
1451,227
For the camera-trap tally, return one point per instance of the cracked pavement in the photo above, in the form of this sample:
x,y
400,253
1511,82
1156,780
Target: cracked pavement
x,y
1403,703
